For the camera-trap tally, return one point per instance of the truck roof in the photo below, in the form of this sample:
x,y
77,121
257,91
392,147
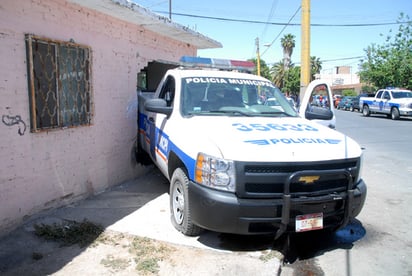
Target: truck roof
x,y
184,73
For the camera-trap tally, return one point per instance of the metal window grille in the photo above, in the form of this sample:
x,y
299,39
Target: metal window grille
x,y
59,77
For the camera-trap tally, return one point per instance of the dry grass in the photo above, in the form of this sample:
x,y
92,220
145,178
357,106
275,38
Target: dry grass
x,y
145,253
70,232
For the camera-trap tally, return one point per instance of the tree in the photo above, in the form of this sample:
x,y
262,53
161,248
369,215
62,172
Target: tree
x,y
278,73
287,80
390,64
288,43
315,67
348,92
264,68
292,81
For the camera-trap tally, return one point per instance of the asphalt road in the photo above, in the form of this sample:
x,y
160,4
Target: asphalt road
x,y
382,243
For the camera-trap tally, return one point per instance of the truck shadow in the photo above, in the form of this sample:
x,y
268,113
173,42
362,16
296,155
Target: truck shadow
x,y
292,246
308,245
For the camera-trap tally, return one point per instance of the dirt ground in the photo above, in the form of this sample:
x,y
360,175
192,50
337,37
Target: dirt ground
x,y
135,237
114,253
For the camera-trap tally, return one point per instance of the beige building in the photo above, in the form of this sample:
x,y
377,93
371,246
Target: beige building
x,y
341,78
68,81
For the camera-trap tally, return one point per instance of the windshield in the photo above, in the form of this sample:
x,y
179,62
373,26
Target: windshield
x,y
402,94
235,97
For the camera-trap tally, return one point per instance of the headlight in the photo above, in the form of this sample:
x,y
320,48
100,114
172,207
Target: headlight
x,y
215,172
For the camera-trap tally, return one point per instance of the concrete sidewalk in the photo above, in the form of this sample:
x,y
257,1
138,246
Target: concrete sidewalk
x,y
139,208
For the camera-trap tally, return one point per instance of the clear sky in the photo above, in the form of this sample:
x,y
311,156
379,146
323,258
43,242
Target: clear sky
x,y
334,45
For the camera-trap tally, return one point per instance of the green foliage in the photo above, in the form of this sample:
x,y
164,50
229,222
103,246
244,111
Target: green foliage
x,y
315,66
368,89
288,43
348,92
278,73
264,69
292,81
390,64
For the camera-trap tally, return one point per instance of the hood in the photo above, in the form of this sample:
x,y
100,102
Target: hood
x,y
402,100
261,139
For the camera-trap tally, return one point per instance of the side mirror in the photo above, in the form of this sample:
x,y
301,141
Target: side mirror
x,y
158,106
319,113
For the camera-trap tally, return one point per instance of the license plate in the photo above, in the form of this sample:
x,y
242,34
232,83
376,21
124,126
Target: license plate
x,y
309,222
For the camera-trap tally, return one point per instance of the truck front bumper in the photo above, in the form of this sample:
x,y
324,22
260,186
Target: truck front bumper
x,y
405,112
224,212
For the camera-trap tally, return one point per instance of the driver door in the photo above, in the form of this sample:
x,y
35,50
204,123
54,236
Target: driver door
x,y
317,104
159,141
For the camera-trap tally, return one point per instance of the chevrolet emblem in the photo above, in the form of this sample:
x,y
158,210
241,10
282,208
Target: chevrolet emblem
x,y
309,179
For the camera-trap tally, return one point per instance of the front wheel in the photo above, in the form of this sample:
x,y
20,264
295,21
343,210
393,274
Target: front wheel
x,y
395,113
179,204
365,111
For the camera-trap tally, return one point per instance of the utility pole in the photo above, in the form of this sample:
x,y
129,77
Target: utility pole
x,y
257,56
305,48
170,9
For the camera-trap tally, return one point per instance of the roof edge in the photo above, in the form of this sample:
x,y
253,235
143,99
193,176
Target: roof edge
x,y
133,13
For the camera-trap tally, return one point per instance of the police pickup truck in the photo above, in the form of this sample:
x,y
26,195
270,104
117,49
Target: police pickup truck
x,y
239,165
393,102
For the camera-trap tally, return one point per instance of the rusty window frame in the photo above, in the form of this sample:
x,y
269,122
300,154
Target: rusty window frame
x,y
59,81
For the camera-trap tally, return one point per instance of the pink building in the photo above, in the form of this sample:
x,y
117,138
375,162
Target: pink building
x,y
68,77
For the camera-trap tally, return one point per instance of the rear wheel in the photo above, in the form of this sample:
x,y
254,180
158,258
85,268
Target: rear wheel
x,y
365,111
179,204
395,113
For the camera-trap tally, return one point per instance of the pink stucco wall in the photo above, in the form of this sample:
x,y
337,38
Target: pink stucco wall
x,y
49,169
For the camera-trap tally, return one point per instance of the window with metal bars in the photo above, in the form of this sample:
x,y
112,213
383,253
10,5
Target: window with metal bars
x,y
59,76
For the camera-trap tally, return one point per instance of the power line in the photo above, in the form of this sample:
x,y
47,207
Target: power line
x,y
336,59
285,24
281,31
339,59
272,11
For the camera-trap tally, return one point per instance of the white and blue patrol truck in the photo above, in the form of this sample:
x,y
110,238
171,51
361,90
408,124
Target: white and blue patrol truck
x,y
239,165
393,102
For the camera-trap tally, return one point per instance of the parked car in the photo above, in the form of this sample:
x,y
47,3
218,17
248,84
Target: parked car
x,y
355,102
394,102
345,103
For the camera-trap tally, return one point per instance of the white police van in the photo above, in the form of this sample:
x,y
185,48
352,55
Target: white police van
x,y
238,165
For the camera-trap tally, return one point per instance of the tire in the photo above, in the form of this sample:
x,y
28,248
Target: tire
x,y
395,113
180,204
365,111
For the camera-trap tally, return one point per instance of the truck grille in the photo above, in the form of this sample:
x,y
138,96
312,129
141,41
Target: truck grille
x,y
267,180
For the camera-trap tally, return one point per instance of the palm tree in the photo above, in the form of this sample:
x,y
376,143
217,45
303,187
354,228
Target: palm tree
x,y
315,67
278,73
288,43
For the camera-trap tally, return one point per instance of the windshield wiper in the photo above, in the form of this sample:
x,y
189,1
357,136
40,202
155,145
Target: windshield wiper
x,y
233,112
277,112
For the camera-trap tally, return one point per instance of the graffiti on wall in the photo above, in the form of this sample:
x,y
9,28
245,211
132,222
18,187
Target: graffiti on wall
x,y
15,120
